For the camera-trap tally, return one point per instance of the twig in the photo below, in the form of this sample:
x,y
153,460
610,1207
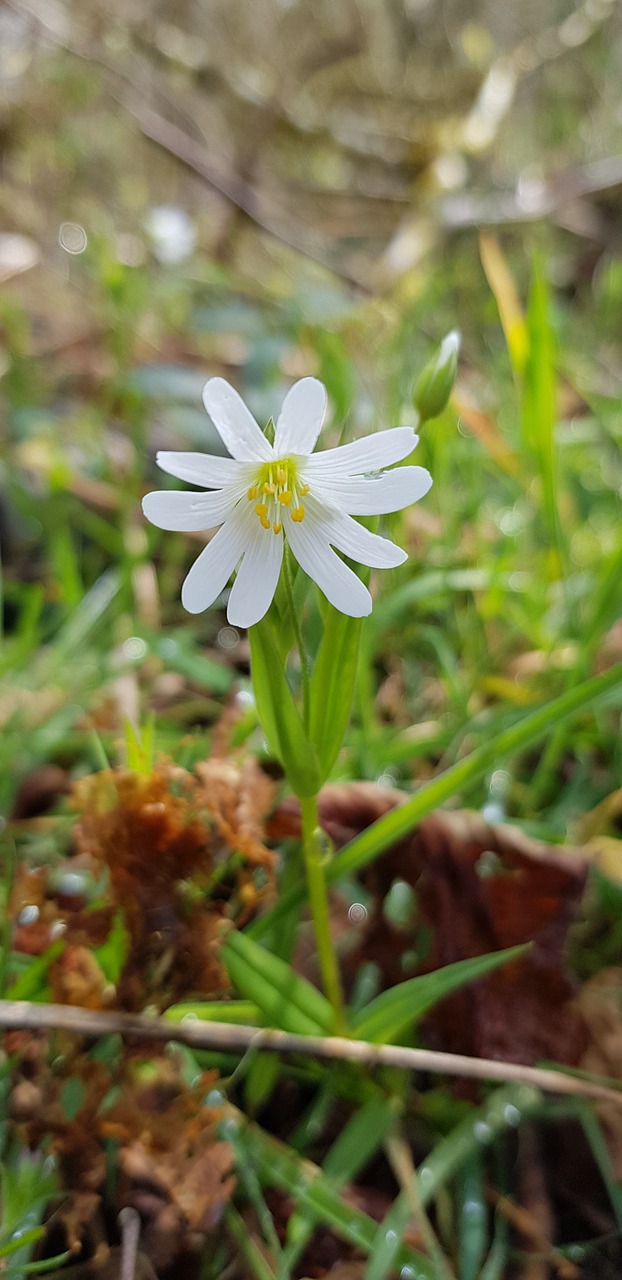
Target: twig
x,y
129,1222
224,1037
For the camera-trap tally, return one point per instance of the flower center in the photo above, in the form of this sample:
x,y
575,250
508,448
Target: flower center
x,y
278,489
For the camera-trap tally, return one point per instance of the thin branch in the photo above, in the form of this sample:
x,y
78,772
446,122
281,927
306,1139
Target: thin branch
x,y
225,1037
129,1223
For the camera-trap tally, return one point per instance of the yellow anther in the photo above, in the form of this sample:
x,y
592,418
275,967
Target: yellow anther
x,y
303,490
298,514
261,509
277,526
264,522
253,493
285,497
281,475
269,488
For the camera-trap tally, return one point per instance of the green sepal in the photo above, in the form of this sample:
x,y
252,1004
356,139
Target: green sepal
x,y
278,712
332,685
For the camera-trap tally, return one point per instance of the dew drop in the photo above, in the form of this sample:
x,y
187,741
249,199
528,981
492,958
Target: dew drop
x,y
228,637
72,237
511,1115
28,914
482,1132
134,648
215,1098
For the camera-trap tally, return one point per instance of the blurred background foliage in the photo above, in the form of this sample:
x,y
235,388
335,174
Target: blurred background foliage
x,y
267,190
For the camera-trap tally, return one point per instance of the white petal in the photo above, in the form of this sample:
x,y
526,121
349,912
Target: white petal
x,y
300,420
210,574
188,512
374,496
361,456
360,544
256,579
235,423
200,468
340,585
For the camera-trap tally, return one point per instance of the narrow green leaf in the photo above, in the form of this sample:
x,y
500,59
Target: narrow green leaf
x,y
23,1241
505,1107
391,1012
359,1140
357,1143
539,408
399,822
279,1166
31,985
260,1079
113,953
472,1217
176,651
332,685
602,1156
278,713
241,1012
285,999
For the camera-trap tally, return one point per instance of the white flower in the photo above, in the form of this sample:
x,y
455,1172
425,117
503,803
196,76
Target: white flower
x,y
265,493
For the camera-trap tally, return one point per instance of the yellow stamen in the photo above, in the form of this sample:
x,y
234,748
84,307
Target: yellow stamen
x,y
281,475
298,514
277,526
269,488
261,509
264,522
285,497
253,493
304,490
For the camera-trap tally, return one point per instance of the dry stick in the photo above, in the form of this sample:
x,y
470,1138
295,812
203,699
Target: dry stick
x,y
21,1015
129,1222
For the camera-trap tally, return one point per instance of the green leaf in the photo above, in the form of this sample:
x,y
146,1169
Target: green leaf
x,y
285,999
472,1217
480,1128
278,712
391,1012
277,1165
359,1140
260,1080
22,1241
399,822
32,985
177,652
242,1013
352,1150
332,685
113,953
539,408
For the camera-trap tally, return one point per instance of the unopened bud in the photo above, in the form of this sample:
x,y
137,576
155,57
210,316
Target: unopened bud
x,y
435,384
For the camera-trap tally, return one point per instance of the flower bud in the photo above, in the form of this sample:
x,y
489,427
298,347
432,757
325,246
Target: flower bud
x,y
435,384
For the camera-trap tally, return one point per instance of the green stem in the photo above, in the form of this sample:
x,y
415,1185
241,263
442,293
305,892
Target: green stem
x,y
312,846
302,653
